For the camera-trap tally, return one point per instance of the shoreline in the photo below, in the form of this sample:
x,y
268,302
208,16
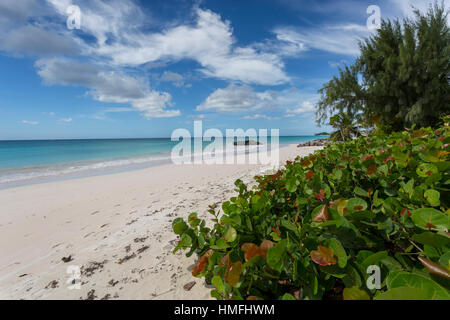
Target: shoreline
x,y
86,170
115,227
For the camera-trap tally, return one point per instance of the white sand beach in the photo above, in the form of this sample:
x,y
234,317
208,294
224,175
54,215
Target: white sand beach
x,y
116,228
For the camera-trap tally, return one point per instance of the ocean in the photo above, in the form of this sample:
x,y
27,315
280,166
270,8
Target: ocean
x,y
34,161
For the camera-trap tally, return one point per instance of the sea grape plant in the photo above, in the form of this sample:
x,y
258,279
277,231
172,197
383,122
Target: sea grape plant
x,y
323,226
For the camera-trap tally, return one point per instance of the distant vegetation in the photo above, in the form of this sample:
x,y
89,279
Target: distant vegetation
x,y
400,78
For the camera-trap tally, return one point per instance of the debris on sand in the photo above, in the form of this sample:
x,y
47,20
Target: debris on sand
x,y
112,283
140,239
127,257
52,284
91,295
93,266
188,286
66,259
142,249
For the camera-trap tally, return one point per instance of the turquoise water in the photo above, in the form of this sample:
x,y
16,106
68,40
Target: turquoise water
x,y
26,161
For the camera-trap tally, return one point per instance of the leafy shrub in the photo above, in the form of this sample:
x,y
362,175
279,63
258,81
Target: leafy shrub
x,y
314,229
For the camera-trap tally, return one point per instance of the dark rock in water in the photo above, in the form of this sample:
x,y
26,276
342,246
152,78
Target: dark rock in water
x,y
315,143
247,143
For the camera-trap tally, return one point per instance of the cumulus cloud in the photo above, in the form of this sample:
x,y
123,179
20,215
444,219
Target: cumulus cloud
x,y
243,99
107,86
65,120
209,41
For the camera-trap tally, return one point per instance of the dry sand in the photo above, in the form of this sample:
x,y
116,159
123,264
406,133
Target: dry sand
x,y
116,228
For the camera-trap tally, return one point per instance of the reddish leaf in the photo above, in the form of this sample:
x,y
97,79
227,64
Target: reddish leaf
x,y
323,214
358,208
234,273
434,268
309,174
277,230
372,169
264,247
305,163
402,212
429,225
320,196
323,256
252,252
253,298
367,157
390,158
247,246
201,263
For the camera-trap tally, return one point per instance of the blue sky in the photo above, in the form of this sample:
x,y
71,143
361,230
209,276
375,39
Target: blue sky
x,y
145,68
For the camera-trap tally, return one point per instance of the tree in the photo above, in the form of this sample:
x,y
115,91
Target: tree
x,y
341,94
346,127
401,77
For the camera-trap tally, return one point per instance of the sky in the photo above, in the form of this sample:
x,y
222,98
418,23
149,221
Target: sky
x,y
77,69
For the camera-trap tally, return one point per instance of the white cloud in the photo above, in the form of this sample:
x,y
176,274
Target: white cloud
x,y
407,7
341,39
65,120
305,107
33,123
108,86
243,99
209,41
33,40
259,116
175,78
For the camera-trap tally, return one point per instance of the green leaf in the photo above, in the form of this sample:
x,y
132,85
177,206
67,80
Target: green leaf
x,y
220,244
356,204
429,218
403,293
179,226
339,251
354,293
287,296
186,240
444,260
361,192
426,169
432,197
193,220
275,254
373,259
218,283
433,290
230,235
432,239
291,186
